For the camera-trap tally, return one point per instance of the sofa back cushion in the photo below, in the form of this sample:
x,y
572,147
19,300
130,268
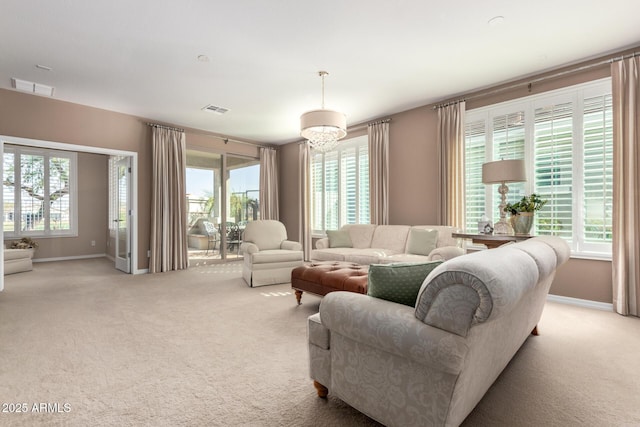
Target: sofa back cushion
x,y
360,234
392,237
422,241
339,239
444,234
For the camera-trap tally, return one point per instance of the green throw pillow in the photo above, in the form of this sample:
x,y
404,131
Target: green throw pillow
x,y
339,239
399,282
422,241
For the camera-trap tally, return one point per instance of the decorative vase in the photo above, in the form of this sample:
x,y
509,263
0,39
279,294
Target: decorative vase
x,y
522,222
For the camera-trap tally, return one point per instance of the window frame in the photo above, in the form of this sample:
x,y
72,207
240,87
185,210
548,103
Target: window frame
x,y
577,94
358,143
47,154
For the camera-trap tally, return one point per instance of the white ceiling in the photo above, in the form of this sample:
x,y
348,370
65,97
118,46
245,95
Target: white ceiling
x,y
140,56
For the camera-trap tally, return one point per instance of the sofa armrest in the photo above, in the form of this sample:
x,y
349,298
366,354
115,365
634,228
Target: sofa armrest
x,y
249,248
393,328
322,243
291,245
445,252
475,288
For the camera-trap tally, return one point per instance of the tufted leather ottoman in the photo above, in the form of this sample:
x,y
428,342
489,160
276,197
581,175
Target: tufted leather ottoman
x,y
322,277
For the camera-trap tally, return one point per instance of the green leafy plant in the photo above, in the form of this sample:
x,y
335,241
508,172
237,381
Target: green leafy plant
x,y
530,203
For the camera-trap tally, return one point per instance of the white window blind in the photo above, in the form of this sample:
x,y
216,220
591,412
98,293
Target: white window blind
x,y
340,186
39,191
598,163
508,143
565,138
553,168
475,156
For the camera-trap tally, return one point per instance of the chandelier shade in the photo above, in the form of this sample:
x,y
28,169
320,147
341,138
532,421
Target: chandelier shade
x,y
323,128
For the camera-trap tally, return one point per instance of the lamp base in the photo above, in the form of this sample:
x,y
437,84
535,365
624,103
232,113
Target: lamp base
x,y
502,227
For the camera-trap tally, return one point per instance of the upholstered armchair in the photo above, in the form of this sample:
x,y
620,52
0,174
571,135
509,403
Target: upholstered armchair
x,y
268,256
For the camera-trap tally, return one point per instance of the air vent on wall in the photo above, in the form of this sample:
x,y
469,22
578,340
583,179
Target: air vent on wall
x,y
213,109
31,87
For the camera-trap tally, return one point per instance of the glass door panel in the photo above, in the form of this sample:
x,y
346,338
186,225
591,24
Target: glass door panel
x,y
242,201
204,208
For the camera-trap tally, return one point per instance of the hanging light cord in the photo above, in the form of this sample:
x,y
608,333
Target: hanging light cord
x,y
322,74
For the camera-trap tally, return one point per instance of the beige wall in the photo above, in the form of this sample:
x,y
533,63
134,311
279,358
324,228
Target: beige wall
x,y
413,177
30,116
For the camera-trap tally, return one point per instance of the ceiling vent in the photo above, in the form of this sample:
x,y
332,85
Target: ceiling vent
x,y
213,109
31,87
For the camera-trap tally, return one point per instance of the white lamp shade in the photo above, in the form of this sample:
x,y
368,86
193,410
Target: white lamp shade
x,y
504,171
317,122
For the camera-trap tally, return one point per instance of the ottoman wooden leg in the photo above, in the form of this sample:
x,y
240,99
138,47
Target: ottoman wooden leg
x,y
298,296
535,331
322,390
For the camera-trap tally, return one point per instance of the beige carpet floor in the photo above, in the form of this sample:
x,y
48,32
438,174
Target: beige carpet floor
x,y
200,348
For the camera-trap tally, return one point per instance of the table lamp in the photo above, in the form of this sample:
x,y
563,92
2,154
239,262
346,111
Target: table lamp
x,y
501,172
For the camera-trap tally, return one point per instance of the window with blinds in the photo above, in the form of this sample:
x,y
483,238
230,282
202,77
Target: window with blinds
x,y
340,186
565,137
474,157
39,192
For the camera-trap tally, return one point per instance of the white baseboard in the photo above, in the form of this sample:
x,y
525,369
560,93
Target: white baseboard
x,y
581,302
67,258
142,271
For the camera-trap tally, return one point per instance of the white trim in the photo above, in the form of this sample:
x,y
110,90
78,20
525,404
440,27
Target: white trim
x,y
68,258
142,271
597,305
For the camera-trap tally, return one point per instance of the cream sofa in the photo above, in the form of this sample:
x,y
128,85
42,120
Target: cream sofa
x,y
268,256
430,365
384,244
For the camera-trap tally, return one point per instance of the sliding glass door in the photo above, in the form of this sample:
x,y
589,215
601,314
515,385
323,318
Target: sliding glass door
x,y
222,196
242,199
204,210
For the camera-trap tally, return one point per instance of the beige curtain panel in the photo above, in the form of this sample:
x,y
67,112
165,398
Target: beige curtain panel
x,y
168,202
379,172
626,186
269,184
450,138
304,209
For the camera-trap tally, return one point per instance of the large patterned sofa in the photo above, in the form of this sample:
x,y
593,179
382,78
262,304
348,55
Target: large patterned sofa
x,y
385,244
430,365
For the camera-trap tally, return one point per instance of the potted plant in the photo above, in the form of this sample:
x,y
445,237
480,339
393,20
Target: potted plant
x,y
24,243
522,212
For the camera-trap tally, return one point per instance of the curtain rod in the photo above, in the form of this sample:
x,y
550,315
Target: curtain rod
x,y
156,125
540,79
377,122
225,140
364,125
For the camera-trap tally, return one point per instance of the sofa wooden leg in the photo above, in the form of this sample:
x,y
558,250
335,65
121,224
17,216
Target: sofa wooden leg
x,y
298,296
322,390
535,331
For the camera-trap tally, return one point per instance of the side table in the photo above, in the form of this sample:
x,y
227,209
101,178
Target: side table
x,y
492,240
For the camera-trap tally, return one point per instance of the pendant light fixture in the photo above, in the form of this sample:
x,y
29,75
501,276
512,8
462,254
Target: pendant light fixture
x,y
323,128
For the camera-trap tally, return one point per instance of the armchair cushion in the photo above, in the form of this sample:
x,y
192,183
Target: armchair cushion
x,y
422,241
398,282
339,239
275,255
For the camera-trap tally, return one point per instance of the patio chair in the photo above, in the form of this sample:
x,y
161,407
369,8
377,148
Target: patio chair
x,y
212,233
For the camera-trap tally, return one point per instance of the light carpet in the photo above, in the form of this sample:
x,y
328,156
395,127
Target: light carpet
x,y
200,348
